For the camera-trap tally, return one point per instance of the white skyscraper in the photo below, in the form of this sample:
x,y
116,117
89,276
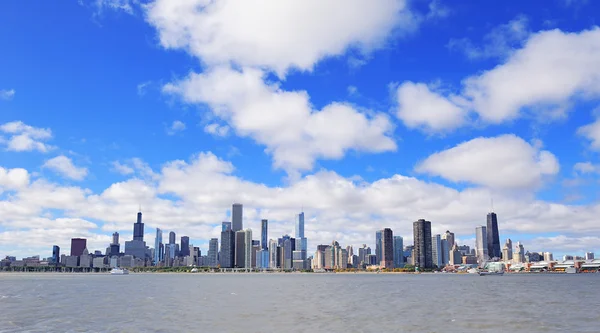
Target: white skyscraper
x,y
436,250
273,254
519,255
481,247
248,250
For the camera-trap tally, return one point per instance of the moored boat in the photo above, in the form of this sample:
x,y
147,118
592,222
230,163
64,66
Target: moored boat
x,y
119,271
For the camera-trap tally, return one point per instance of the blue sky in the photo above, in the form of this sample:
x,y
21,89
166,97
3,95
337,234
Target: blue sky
x,y
368,116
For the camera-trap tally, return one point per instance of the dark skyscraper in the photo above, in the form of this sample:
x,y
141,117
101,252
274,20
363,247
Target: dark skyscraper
x,y
172,237
236,217
185,246
378,245
240,249
138,228
77,246
423,255
226,257
263,234
493,236
55,255
387,248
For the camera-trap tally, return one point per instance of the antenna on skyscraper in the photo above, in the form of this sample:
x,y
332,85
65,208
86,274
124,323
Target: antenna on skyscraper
x,y
492,199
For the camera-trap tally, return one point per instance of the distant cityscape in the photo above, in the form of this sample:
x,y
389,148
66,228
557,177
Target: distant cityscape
x,y
237,250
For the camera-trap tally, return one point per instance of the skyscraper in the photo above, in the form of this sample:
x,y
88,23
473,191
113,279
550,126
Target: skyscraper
x,y
300,225
213,252
507,251
172,237
225,226
55,255
226,259
387,248
248,263
115,238
449,236
240,248
398,252
263,234
157,246
185,246
138,228
481,244
300,239
378,249
436,250
77,246
236,217
273,254
519,255
493,236
422,249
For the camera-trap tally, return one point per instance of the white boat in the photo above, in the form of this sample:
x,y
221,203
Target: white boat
x,y
492,268
571,270
119,271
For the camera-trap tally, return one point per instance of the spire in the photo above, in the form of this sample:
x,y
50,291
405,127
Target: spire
x,y
492,200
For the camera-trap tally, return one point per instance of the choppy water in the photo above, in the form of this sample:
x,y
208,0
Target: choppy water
x,y
298,303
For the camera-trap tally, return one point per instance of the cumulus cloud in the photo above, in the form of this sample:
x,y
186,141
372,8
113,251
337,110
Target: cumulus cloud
x,y
503,162
122,168
176,127
22,137
585,167
11,179
592,132
7,94
216,130
64,166
284,121
267,34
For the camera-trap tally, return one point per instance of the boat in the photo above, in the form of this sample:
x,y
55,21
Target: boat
x,y
492,268
571,270
194,270
119,271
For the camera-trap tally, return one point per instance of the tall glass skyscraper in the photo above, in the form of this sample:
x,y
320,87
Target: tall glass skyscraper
x,y
398,252
55,255
378,249
226,259
300,239
157,246
248,249
213,252
481,246
237,217
225,226
422,249
300,225
185,246
436,251
77,246
263,234
172,237
240,248
493,236
138,228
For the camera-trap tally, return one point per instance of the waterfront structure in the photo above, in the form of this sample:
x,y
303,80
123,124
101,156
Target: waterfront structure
x,y
589,256
227,255
519,255
237,217
138,228
212,255
493,236
55,255
225,226
157,246
185,246
172,237
422,257
378,241
481,245
77,246
507,252
240,249
436,250
398,252
264,224
387,248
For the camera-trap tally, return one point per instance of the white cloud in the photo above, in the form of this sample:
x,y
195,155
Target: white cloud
x,y
11,179
420,107
284,121
7,94
176,127
64,166
503,162
542,79
274,34
122,168
592,132
23,137
216,130
585,167
500,42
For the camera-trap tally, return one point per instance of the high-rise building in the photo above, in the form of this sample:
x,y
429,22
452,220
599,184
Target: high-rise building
x,y
493,236
481,246
302,243
589,256
445,252
436,250
273,254
248,249
157,245
519,255
237,217
378,249
300,225
548,256
240,249
227,256
55,254
422,257
449,236
138,228
212,255
225,226
448,241
507,252
115,238
185,246
387,248
172,237
264,233
77,246
398,252
455,255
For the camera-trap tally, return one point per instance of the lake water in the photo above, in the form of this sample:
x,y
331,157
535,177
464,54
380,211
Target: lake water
x,y
54,302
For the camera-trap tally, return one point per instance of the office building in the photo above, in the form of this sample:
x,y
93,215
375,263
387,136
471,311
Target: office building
x,y
240,249
378,249
157,246
519,254
589,256
481,246
436,250
398,252
422,257
55,255
138,228
264,224
301,242
387,248
493,236
225,226
455,255
237,217
185,246
172,237
77,246
273,254
115,238
507,252
227,255
449,237
212,256
548,256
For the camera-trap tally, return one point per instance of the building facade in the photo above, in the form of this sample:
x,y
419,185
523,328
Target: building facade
x,y
422,257
481,246
493,236
387,248
398,252
436,250
237,212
